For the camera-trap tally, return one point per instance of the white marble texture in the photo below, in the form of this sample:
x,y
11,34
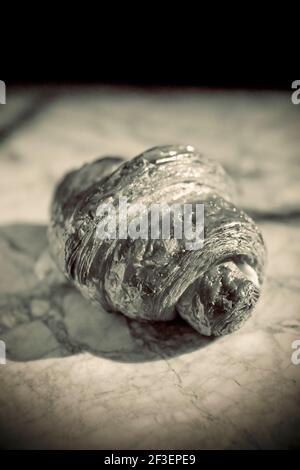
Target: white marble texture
x,y
77,377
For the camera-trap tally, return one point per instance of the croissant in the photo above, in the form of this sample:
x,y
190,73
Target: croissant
x,y
214,287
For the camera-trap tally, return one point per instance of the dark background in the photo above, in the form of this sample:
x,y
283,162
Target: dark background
x,y
154,80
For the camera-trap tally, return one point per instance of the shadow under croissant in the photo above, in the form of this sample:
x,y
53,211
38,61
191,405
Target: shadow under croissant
x,y
42,315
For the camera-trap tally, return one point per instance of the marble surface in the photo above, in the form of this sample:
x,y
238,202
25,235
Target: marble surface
x,y
78,377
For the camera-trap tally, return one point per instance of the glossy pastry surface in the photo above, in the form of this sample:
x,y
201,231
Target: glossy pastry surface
x,y
214,288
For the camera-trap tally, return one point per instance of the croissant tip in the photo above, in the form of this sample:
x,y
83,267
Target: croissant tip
x,y
222,299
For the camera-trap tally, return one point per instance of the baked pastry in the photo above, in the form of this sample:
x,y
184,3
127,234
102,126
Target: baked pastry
x,y
214,287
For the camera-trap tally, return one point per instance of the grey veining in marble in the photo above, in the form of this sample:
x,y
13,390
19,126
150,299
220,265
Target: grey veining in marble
x,y
78,377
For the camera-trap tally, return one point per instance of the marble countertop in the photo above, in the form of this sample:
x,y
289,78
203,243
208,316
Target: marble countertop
x,y
77,377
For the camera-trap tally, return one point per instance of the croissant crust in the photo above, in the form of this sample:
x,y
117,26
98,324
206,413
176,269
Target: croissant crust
x,y
214,288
